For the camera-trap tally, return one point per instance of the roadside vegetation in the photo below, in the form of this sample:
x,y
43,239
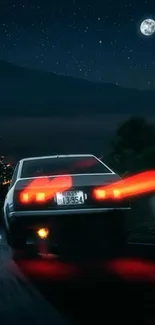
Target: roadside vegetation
x,y
133,151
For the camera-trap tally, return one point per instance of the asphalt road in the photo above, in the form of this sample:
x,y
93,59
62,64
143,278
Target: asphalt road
x,y
20,302
120,290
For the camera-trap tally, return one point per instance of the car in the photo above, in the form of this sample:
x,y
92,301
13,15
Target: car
x,y
52,208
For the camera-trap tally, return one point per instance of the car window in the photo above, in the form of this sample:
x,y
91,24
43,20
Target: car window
x,y
65,165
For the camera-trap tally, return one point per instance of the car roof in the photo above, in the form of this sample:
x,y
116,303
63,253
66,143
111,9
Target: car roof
x,y
57,156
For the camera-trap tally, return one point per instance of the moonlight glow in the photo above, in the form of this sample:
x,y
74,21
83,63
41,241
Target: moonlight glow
x,y
147,27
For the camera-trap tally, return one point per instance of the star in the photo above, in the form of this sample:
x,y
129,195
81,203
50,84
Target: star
x,y
79,35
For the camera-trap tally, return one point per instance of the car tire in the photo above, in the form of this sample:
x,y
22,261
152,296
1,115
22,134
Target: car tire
x,y
17,251
16,254
16,244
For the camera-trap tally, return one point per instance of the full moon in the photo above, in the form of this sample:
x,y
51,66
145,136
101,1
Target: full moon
x,y
147,27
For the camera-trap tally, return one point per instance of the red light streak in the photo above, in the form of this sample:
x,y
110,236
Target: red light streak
x,y
132,186
46,186
138,184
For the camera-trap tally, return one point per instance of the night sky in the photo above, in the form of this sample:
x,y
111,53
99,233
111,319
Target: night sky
x,y
92,39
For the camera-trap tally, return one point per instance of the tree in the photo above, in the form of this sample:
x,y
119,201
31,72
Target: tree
x,y
133,148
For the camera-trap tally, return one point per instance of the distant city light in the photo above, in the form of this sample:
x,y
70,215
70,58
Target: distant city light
x,y
7,182
6,171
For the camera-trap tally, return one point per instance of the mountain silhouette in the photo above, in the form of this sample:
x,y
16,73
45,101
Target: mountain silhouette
x,y
27,92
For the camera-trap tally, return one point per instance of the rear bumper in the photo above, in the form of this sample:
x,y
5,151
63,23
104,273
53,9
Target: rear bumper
x,y
46,213
64,219
69,228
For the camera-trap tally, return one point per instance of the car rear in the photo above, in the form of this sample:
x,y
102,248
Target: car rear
x,y
58,212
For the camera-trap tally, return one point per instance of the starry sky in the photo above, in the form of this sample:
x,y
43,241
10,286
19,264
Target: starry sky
x,y
92,39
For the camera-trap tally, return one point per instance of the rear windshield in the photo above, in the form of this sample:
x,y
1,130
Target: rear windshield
x,y
59,166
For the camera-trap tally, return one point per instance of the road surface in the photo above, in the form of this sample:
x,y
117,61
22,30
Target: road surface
x,y
20,303
119,290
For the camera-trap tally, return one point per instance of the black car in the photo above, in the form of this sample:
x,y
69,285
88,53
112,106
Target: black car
x,y
54,205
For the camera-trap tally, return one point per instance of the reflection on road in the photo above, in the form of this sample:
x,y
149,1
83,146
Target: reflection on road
x,y
119,290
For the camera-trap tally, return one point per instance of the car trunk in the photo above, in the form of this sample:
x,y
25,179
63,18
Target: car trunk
x,y
69,185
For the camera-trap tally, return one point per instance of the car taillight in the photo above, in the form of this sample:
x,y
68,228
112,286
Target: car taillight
x,y
27,197
24,197
116,194
40,197
99,194
103,194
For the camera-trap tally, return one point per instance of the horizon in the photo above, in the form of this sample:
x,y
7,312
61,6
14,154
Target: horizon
x,y
73,77
92,46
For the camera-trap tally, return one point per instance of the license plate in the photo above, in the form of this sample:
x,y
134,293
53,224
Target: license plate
x,y
70,198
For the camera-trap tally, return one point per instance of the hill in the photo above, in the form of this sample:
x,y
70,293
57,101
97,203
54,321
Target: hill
x,y
26,92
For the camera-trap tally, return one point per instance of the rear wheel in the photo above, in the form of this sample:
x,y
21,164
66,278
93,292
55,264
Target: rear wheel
x,y
15,242
18,245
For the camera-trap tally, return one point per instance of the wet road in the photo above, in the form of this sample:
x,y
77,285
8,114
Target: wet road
x,y
119,290
20,303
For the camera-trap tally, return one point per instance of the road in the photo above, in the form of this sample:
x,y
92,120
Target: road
x,y
20,303
119,290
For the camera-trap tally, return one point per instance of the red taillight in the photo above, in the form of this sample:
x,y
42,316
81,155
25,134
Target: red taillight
x,y
101,194
27,197
116,194
24,197
40,197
